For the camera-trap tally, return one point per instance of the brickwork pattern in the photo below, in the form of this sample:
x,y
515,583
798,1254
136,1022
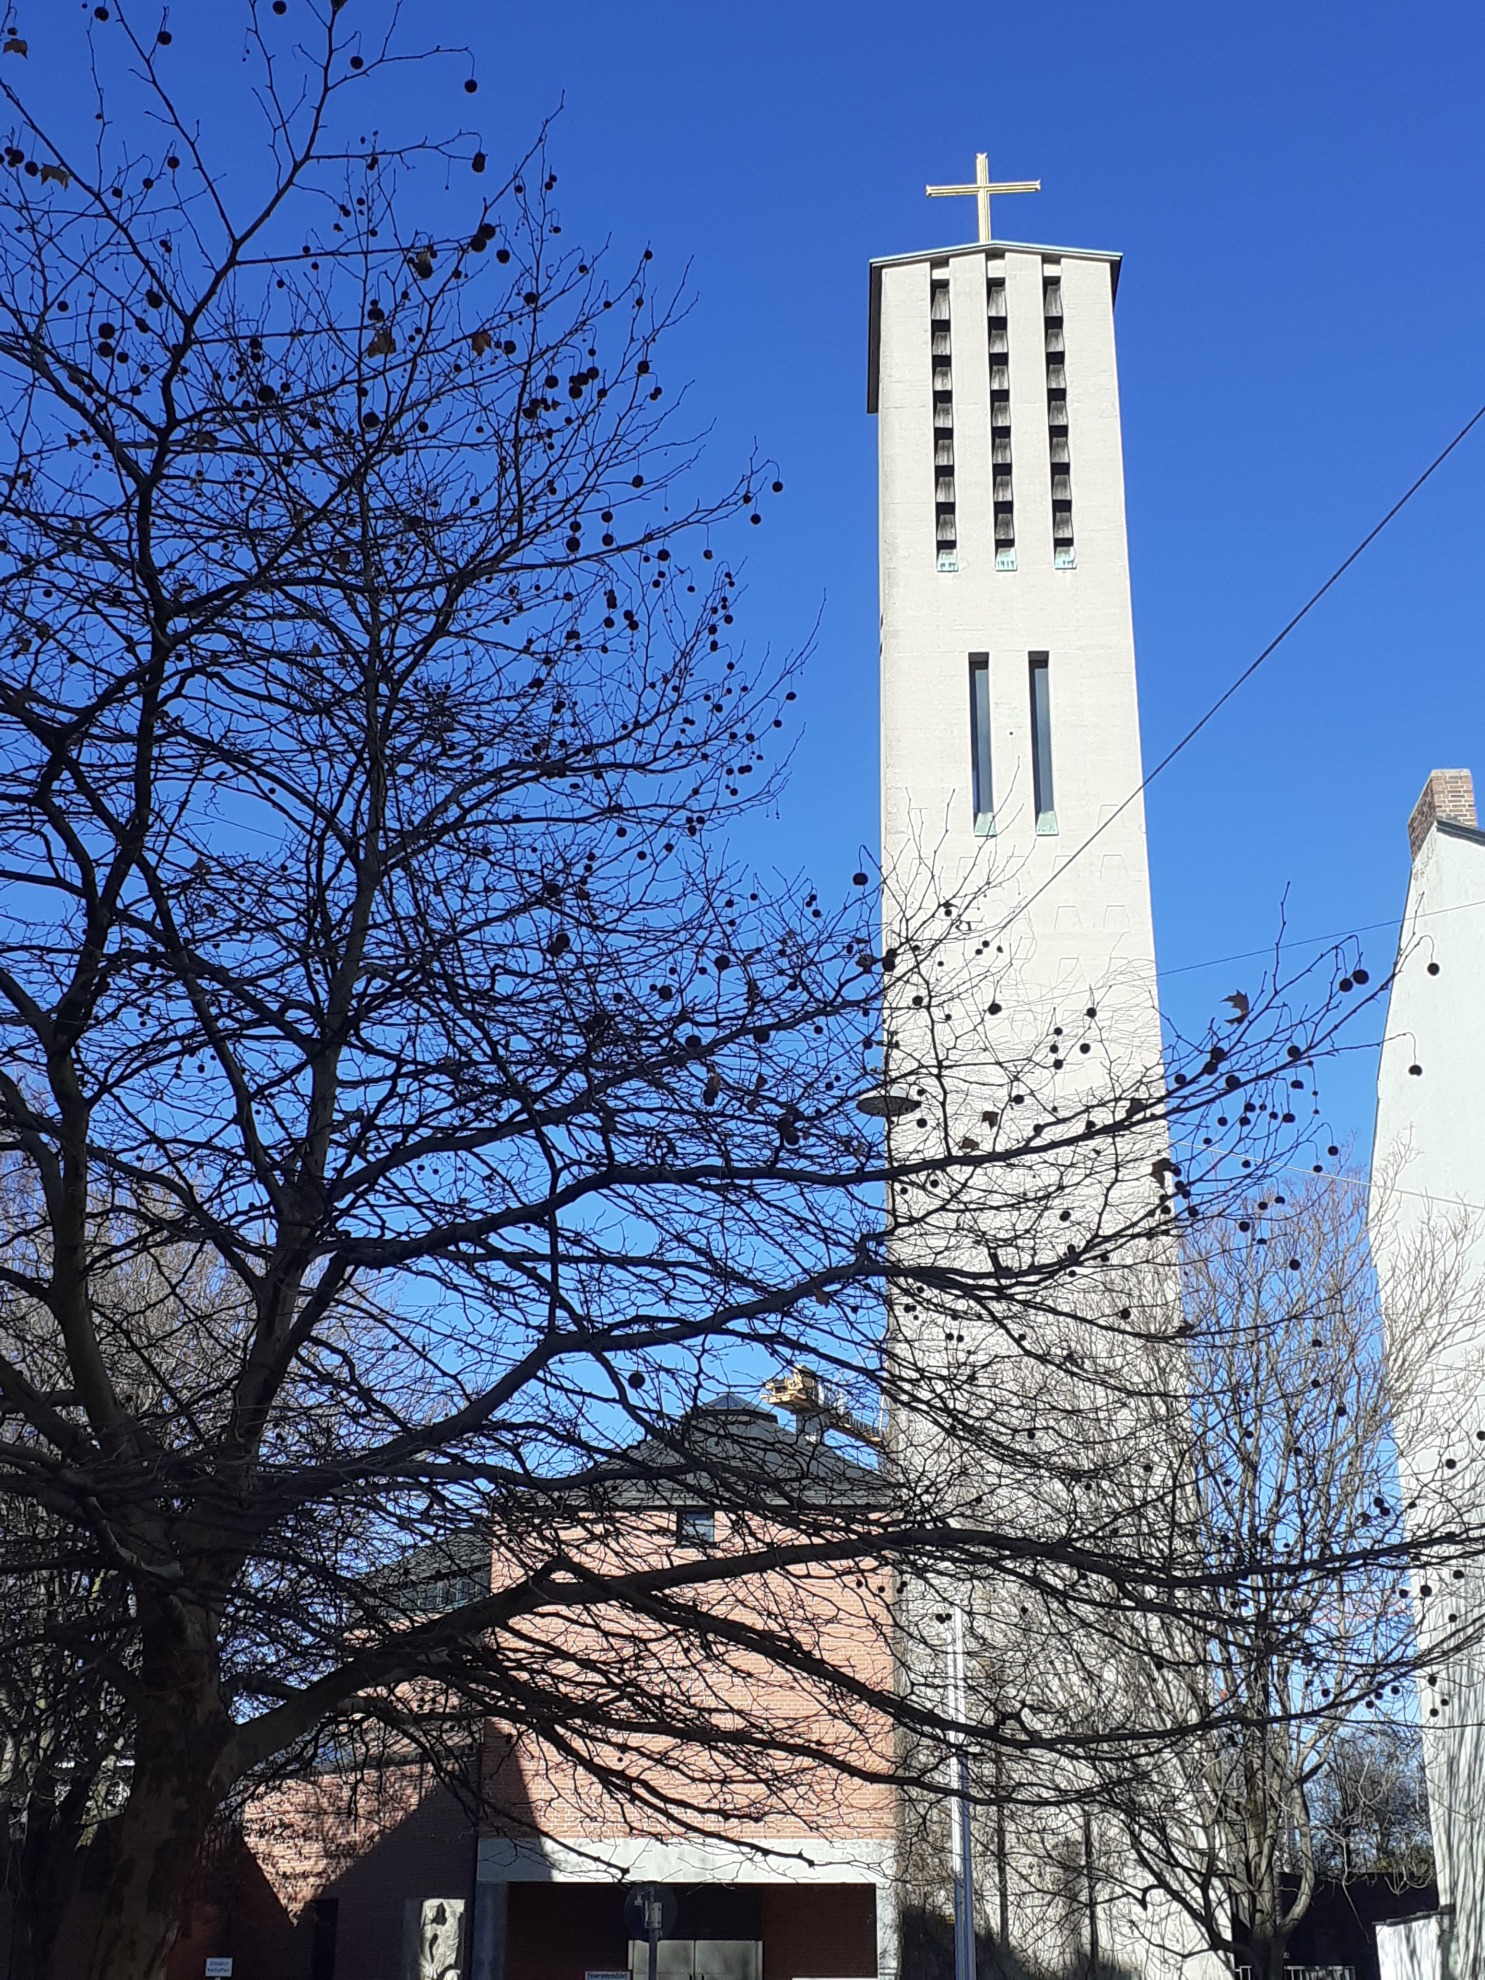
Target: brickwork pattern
x,y
757,1750
1447,794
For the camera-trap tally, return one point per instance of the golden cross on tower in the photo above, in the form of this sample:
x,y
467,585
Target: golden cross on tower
x,y
982,189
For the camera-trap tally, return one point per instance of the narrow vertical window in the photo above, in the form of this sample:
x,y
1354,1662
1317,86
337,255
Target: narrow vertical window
x,y
1063,558
941,356
1041,744
979,744
1003,501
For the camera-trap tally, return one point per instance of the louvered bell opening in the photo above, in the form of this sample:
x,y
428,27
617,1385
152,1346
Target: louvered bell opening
x,y
1000,450
1005,526
1000,411
943,378
943,450
1051,299
999,344
1002,488
941,343
995,299
1062,528
1055,339
1060,451
1056,375
1061,488
947,534
943,411
1000,378
943,488
939,311
1057,412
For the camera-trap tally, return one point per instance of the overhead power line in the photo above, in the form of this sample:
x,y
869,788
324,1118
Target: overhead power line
x,y
1252,667
1316,941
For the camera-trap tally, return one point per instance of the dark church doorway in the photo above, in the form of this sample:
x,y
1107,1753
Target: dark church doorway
x,y
722,1932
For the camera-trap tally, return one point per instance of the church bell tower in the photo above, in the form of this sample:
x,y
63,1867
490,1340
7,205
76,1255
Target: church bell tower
x,y
1012,823
1010,731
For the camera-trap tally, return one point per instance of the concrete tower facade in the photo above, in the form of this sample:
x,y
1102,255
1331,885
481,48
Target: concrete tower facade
x,y
1010,779
1010,728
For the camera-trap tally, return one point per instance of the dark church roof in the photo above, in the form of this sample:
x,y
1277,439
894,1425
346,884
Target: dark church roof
x,y
727,1455
735,1452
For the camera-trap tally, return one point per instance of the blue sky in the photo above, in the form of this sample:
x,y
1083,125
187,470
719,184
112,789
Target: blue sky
x,y
1299,192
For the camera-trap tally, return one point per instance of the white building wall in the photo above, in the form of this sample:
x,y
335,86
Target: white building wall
x,y
1093,927
1411,1948
1427,1205
1048,952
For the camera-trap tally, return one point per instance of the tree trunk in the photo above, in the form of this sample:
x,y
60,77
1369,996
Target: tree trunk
x,y
1267,1953
43,1870
44,1876
1266,1797
161,1833
174,1792
1268,1932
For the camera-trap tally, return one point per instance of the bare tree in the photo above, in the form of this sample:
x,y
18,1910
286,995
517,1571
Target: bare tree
x,y
64,1731
372,713
1291,1457
66,1637
1370,1807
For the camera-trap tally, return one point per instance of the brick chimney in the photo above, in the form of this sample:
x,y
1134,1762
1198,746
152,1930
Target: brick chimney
x,y
1447,794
